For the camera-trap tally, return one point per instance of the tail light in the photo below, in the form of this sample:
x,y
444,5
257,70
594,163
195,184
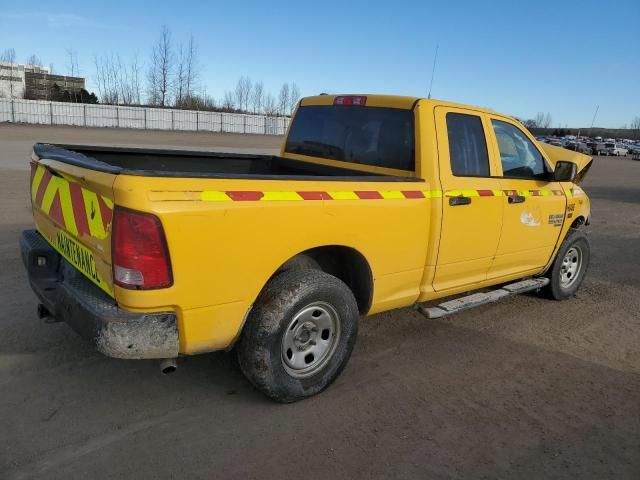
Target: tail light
x,y
139,251
354,100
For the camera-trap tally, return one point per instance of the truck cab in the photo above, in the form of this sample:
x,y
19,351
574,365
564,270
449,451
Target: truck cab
x,y
498,208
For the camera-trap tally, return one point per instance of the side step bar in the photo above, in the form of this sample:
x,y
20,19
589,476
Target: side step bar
x,y
477,299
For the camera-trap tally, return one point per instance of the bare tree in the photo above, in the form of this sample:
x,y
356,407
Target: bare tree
x,y
8,59
186,72
201,101
208,102
135,87
257,97
8,56
179,80
73,69
243,93
283,99
118,83
161,69
294,97
270,107
107,78
542,120
128,82
72,65
34,60
191,67
635,124
228,102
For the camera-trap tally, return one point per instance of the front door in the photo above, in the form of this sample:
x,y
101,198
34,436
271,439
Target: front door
x,y
534,206
472,208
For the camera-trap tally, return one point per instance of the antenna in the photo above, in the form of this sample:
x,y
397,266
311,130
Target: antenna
x,y
433,70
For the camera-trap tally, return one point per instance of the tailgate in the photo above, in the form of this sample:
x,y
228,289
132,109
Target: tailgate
x,y
73,209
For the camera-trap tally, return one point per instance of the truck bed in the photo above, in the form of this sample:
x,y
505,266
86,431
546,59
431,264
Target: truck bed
x,y
195,164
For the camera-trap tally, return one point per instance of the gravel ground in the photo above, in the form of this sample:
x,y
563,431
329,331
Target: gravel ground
x,y
526,388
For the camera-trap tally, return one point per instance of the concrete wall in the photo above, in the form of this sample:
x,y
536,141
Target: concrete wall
x,y
84,115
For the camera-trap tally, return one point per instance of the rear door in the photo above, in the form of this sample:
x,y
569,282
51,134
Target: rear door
x,y
472,207
534,206
73,210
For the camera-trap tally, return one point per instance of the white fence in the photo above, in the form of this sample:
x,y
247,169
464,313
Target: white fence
x,y
84,115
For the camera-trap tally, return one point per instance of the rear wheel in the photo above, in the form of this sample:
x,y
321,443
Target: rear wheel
x,y
299,335
570,266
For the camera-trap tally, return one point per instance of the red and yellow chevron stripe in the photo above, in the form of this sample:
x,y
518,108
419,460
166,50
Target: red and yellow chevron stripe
x,y
255,196
69,205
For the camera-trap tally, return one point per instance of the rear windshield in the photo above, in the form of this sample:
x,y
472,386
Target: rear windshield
x,y
383,137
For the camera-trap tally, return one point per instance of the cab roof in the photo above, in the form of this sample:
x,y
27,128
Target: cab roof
x,y
388,101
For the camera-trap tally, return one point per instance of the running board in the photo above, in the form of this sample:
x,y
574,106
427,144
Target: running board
x,y
482,298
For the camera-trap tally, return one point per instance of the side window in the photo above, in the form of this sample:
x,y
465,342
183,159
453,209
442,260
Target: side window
x,y
467,146
519,157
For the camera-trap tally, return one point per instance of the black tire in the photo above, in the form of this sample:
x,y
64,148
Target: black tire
x,y
578,240
260,348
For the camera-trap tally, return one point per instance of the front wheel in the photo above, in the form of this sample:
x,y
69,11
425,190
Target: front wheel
x,y
299,335
570,266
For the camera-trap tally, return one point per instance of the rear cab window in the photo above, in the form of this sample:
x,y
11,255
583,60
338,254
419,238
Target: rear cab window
x,y
375,136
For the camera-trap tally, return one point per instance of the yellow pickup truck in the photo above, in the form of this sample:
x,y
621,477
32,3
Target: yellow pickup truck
x,y
375,202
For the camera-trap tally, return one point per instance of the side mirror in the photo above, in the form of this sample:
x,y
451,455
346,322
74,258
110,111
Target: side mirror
x,y
565,171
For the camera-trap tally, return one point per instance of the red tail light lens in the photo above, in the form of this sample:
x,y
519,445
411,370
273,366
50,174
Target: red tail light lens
x,y
353,100
139,251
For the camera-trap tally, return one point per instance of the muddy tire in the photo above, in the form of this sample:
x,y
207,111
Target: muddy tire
x,y
299,334
570,266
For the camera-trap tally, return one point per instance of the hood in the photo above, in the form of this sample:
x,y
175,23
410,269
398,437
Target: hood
x,y
556,154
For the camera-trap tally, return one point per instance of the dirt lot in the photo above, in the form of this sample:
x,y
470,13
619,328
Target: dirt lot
x,y
527,388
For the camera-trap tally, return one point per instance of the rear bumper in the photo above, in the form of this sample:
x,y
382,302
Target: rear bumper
x,y
72,298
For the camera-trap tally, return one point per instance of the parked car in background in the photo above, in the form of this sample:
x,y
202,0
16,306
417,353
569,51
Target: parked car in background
x,y
616,149
578,147
597,148
633,149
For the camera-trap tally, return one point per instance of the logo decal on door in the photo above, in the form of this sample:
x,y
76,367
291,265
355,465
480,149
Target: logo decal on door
x,y
531,218
555,219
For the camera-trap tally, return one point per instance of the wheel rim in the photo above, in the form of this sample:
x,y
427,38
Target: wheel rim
x,y
570,268
310,339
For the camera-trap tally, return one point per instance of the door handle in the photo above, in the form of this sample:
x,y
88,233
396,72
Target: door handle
x,y
516,199
454,201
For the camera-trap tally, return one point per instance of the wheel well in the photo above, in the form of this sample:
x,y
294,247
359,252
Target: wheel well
x,y
579,222
346,263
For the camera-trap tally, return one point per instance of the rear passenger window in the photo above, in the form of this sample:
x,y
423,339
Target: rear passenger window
x,y
467,146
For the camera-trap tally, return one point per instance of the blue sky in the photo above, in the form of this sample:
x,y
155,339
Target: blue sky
x,y
515,57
